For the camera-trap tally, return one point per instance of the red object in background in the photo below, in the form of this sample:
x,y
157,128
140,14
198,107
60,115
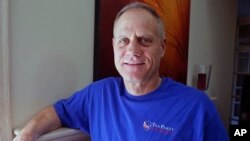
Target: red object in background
x,y
201,81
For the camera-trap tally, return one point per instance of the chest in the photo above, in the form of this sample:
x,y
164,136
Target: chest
x,y
121,119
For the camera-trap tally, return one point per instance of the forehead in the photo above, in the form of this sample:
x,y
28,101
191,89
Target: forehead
x,y
138,12
136,19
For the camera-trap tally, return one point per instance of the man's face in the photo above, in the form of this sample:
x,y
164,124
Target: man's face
x,y
137,46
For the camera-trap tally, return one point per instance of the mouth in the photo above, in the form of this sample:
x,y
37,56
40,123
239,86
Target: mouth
x,y
134,64
133,67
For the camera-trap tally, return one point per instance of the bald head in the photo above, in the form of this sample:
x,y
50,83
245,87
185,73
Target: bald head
x,y
147,8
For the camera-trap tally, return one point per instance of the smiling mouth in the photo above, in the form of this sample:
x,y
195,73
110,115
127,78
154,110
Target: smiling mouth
x,y
134,64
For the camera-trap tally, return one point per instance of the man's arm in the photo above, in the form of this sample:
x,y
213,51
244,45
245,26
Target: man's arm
x,y
44,121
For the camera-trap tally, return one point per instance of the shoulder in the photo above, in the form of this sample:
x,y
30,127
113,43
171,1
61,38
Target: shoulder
x,y
98,89
99,85
107,81
197,99
106,84
186,93
173,86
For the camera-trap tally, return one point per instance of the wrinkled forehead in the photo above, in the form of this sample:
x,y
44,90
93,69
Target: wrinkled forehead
x,y
135,13
136,19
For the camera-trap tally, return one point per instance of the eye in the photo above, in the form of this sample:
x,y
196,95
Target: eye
x,y
145,41
123,41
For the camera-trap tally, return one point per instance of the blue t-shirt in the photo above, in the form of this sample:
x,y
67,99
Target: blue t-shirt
x,y
172,112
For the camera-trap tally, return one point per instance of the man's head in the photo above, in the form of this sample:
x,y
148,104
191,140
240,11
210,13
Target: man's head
x,y
140,5
138,42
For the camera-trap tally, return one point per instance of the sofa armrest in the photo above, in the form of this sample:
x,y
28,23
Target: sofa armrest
x,y
61,134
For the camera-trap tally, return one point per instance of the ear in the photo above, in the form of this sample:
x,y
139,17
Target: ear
x,y
163,46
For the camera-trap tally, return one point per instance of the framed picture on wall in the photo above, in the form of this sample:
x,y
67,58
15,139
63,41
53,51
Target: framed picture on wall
x,y
174,13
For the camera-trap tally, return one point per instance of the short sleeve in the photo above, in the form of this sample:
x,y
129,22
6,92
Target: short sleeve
x,y
73,112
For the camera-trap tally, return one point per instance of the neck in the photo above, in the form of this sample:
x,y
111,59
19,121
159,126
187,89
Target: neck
x,y
142,87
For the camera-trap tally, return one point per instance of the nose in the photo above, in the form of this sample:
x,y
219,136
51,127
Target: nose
x,y
134,48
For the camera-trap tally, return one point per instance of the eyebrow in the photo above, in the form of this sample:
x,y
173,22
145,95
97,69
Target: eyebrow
x,y
137,36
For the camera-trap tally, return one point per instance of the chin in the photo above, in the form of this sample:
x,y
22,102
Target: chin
x,y
132,78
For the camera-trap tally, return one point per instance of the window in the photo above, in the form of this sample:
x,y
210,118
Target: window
x,y
241,84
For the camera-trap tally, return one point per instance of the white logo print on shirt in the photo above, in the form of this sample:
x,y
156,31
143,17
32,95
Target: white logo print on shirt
x,y
160,128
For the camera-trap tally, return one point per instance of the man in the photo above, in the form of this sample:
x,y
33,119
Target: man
x,y
140,106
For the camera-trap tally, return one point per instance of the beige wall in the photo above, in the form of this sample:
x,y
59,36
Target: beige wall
x,y
211,41
51,52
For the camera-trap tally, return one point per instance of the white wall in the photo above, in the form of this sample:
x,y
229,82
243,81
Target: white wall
x,y
51,52
211,41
